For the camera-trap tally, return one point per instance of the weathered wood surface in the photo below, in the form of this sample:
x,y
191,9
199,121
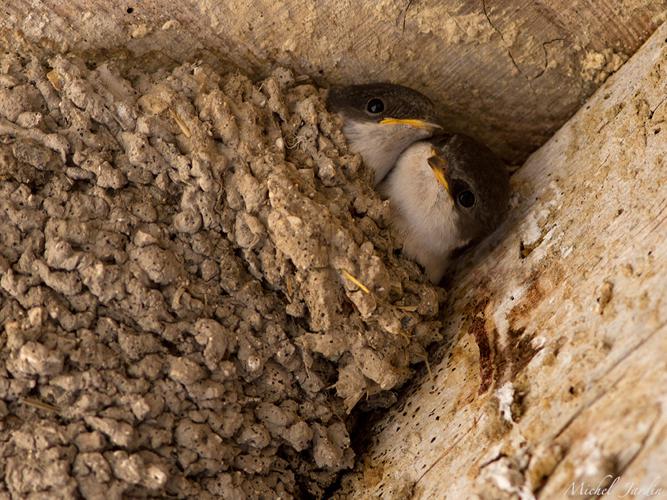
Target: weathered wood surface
x,y
508,71
556,376
570,307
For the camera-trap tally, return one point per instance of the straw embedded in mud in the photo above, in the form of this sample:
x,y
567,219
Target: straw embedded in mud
x,y
197,275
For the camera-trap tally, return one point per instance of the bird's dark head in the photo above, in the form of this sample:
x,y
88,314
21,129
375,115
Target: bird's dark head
x,y
381,120
475,179
383,103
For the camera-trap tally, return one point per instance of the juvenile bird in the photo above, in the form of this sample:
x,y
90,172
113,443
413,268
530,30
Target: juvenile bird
x,y
444,193
381,120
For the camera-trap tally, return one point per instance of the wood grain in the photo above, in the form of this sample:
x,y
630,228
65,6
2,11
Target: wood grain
x,y
509,72
571,299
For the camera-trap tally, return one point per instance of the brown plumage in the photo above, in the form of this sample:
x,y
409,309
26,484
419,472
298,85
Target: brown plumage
x,y
444,193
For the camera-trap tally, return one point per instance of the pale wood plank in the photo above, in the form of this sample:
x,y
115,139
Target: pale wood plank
x,y
507,71
572,303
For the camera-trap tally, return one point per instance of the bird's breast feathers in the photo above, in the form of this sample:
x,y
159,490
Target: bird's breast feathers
x,y
423,211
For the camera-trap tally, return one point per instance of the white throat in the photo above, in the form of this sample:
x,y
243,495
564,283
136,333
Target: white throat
x,y
422,211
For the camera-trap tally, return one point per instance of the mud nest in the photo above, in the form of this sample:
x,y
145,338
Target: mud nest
x,y
198,284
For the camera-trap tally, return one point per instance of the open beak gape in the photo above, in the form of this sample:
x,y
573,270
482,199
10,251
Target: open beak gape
x,y
410,122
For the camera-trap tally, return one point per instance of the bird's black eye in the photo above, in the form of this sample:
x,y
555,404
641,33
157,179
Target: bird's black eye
x,y
375,106
466,198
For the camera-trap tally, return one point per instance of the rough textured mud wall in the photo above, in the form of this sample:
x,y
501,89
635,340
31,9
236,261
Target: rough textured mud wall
x,y
509,71
556,383
197,284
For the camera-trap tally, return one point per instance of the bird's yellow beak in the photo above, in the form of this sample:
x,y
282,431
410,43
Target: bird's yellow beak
x,y
410,123
439,167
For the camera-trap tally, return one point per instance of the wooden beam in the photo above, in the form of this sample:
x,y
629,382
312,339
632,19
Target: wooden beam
x,y
556,375
507,71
